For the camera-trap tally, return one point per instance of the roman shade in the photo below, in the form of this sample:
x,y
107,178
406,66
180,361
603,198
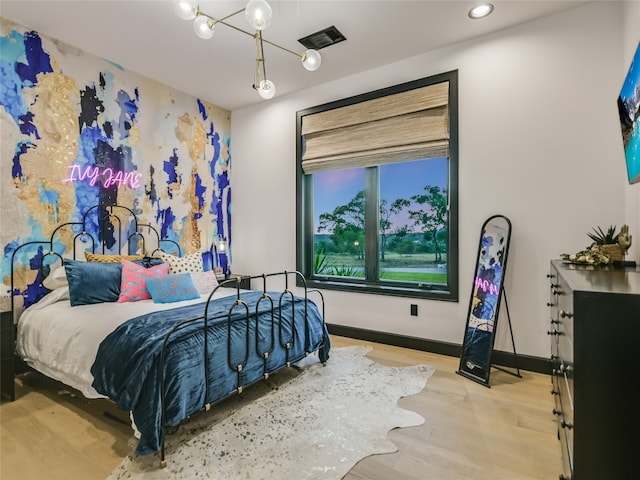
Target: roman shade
x,y
400,127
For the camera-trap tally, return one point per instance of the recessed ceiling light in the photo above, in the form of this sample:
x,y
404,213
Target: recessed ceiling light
x,y
481,11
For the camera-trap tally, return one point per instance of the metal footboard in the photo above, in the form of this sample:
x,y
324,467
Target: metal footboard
x,y
240,351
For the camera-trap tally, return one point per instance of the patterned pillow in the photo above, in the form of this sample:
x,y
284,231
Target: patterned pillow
x,y
190,263
204,282
172,288
134,287
96,257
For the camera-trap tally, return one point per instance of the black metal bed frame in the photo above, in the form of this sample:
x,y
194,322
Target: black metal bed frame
x,y
264,352
109,226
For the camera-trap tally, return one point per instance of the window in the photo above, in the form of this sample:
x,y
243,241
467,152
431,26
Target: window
x,y
377,191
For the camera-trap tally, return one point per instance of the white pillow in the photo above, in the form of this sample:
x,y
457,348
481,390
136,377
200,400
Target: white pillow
x,y
189,264
57,278
57,295
204,282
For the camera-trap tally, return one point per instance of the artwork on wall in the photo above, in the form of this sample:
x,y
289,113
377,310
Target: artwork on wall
x,y
629,110
77,131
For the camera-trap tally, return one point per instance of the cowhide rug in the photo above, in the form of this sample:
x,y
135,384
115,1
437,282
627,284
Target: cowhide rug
x,y
309,422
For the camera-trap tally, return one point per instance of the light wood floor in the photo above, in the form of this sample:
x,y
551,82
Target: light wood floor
x,y
471,432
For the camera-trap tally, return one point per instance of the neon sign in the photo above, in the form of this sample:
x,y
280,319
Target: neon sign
x,y
486,286
107,176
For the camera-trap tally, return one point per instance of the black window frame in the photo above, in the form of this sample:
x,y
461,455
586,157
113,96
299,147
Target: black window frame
x,y
304,206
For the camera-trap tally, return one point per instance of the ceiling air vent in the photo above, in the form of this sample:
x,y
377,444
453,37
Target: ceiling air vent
x,y
324,38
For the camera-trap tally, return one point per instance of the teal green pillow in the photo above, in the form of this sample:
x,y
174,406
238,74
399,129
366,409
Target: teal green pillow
x,y
92,282
172,288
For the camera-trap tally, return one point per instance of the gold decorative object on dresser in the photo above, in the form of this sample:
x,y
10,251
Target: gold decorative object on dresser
x,y
595,318
614,252
624,239
624,242
607,241
607,248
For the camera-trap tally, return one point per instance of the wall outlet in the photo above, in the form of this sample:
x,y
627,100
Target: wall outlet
x,y
414,310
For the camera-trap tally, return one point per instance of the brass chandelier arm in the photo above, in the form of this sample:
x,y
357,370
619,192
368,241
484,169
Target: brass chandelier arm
x,y
222,21
259,61
283,48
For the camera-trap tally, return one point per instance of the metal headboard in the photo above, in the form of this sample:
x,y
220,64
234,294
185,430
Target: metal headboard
x,y
106,229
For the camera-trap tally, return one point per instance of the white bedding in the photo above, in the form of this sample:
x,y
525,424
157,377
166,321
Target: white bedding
x,y
62,341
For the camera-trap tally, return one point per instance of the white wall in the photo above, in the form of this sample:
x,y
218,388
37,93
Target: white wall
x,y
539,143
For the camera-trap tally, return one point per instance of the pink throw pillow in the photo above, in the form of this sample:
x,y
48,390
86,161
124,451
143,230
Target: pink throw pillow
x,y
134,280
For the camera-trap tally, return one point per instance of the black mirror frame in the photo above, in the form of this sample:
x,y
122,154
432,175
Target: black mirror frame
x,y
475,358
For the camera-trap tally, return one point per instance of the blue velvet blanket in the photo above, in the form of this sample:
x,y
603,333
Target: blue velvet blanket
x,y
128,363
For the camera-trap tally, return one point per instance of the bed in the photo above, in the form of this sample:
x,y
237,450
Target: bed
x,y
189,342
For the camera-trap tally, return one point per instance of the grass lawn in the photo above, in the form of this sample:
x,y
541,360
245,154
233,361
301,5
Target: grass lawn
x,y
424,277
411,262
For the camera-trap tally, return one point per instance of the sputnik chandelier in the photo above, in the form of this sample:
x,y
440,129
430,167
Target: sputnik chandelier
x,y
258,14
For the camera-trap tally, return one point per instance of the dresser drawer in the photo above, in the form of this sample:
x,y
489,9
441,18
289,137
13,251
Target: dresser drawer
x,y
554,321
564,336
567,401
562,405
553,294
567,454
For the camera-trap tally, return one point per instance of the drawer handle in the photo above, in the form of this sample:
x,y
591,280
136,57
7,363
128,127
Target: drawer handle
x,y
550,275
554,332
555,321
549,304
566,425
564,314
555,392
557,412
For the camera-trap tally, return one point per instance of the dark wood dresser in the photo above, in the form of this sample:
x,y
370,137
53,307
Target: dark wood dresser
x,y
595,315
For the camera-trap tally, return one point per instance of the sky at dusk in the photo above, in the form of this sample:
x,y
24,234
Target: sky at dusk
x,y
399,180
633,77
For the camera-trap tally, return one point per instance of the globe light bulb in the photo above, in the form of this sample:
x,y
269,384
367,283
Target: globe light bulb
x,y
267,89
258,14
204,27
185,9
311,60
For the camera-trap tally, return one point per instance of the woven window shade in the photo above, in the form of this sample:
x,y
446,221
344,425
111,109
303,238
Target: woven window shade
x,y
401,127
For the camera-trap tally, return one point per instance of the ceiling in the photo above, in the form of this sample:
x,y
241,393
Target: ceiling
x,y
147,37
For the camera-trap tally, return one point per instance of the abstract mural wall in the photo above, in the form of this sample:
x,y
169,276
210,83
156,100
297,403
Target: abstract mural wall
x,y
78,130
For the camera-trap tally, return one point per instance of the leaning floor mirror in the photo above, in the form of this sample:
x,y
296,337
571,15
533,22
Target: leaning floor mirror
x,y
484,305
